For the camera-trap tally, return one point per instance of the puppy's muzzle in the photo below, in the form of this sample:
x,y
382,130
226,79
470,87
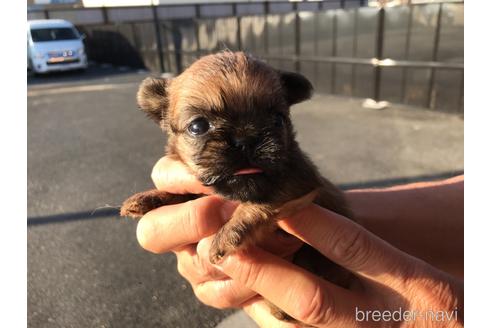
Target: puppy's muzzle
x,y
245,144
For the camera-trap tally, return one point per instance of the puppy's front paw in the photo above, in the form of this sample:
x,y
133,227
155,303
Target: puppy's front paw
x,y
226,241
139,204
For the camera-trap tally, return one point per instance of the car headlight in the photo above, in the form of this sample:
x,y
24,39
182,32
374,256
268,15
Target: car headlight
x,y
38,55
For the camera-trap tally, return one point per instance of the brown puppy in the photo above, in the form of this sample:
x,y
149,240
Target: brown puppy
x,y
227,119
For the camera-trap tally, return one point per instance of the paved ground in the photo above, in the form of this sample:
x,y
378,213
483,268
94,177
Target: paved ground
x,y
89,148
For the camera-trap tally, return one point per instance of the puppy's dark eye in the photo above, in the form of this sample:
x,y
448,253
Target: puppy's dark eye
x,y
199,126
279,120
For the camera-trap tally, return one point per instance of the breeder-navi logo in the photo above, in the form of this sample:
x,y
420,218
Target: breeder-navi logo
x,y
405,315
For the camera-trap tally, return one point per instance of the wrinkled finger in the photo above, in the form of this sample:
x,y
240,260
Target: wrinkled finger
x,y
281,244
278,243
213,287
195,269
223,294
349,244
299,293
173,176
169,227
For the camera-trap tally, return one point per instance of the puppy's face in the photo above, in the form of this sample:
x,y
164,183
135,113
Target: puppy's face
x,y
227,117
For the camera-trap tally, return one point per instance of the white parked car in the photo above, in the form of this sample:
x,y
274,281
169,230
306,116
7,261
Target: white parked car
x,y
54,45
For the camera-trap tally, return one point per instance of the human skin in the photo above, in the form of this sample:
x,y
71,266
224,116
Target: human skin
x,y
424,219
387,278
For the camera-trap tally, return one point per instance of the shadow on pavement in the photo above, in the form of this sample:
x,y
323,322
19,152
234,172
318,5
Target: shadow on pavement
x,y
399,181
68,217
111,212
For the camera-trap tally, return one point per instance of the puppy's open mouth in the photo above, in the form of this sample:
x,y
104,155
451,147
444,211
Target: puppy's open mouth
x,y
249,170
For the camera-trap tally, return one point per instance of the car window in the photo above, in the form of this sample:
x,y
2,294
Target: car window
x,y
53,34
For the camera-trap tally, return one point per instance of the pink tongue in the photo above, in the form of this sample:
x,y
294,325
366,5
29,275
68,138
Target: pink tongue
x,y
250,170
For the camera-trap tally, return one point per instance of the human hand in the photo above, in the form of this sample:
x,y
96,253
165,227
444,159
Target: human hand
x,y
390,283
187,229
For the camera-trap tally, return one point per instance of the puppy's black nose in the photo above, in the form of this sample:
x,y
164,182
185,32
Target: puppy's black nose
x,y
244,143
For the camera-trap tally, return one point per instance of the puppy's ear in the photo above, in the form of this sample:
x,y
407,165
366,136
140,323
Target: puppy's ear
x,y
152,98
296,87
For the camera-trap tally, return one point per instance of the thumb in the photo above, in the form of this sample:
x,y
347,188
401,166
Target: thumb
x,y
174,177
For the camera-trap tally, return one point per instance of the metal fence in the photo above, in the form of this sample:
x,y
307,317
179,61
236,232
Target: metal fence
x,y
410,53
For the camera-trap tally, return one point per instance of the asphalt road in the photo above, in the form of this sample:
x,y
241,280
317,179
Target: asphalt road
x,y
89,148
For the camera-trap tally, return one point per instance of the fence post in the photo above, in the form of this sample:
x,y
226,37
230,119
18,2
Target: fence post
x,y
403,89
297,38
334,52
197,31
238,23
267,11
158,38
105,15
431,91
379,54
354,52
316,42
46,14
